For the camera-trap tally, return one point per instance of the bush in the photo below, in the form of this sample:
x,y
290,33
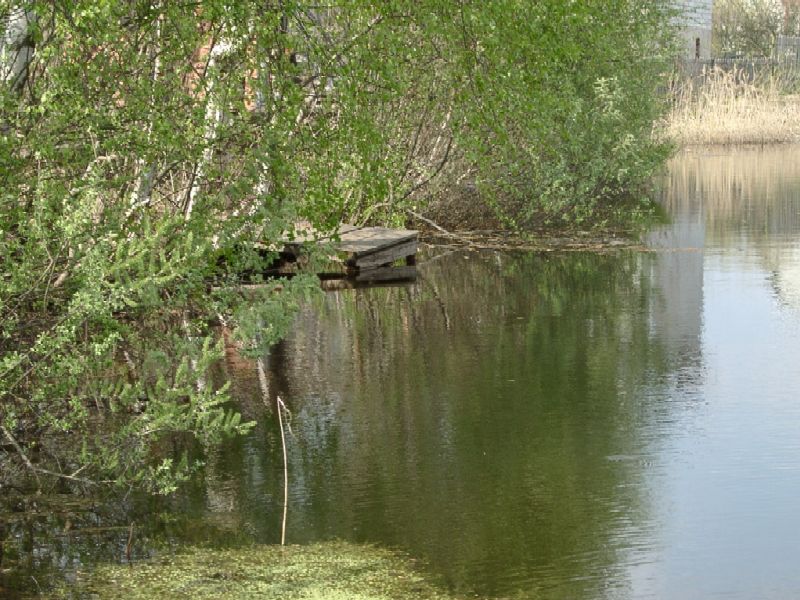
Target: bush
x,y
147,147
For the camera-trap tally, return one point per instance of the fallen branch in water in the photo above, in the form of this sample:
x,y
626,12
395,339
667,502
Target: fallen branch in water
x,y
440,229
427,221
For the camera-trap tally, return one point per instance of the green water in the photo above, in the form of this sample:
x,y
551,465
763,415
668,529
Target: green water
x,y
576,426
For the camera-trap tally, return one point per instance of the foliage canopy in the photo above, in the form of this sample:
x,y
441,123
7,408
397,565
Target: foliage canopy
x,y
147,146
747,27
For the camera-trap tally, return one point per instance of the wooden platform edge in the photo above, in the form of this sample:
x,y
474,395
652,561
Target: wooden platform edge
x,y
385,255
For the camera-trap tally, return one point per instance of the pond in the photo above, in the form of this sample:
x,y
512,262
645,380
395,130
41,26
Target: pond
x,y
552,425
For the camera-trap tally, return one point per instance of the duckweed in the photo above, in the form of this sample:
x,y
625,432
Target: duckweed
x,y
330,571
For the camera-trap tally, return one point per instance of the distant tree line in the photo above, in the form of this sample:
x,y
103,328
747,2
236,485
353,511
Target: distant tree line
x,y
750,28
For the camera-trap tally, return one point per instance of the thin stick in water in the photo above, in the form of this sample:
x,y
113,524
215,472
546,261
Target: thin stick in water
x,y
129,545
262,380
281,408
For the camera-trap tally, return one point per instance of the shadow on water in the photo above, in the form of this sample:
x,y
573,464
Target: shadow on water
x,y
554,426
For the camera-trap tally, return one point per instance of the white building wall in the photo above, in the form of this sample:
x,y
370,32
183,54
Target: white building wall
x,y
695,16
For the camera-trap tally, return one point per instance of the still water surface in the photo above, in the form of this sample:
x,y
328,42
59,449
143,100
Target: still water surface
x,y
565,426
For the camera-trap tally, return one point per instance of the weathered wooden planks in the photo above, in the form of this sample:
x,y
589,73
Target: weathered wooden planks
x,y
371,247
305,234
367,240
384,256
363,252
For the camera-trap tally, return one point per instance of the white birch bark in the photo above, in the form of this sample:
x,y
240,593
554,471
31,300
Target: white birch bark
x,y
213,118
143,188
16,46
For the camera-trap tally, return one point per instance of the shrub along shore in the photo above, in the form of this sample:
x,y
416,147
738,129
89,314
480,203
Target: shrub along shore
x,y
147,148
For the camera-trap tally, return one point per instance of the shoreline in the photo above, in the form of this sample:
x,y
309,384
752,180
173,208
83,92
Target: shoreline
x,y
566,239
554,241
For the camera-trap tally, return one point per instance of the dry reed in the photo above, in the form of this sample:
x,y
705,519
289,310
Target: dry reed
x,y
727,108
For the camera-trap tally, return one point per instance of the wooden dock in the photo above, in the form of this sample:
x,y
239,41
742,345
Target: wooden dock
x,y
364,255
371,247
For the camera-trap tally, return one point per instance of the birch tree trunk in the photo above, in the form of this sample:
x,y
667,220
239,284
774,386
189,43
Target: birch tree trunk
x,y
218,51
17,47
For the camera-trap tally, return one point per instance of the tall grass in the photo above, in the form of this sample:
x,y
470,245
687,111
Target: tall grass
x,y
727,107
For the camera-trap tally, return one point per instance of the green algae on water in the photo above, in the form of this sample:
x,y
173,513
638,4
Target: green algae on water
x,y
329,571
